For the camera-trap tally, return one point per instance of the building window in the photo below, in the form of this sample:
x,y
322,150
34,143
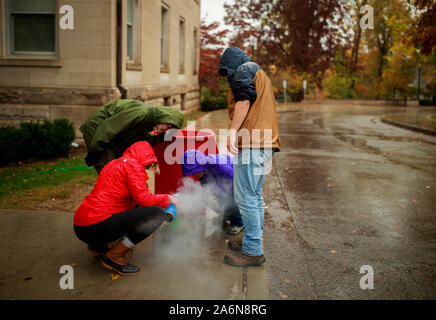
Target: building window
x,y
181,45
130,30
133,35
195,52
164,39
31,26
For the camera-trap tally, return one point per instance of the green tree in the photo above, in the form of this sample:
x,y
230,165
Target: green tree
x,y
402,59
381,37
338,82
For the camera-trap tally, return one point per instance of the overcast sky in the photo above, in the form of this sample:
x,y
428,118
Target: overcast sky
x,y
213,10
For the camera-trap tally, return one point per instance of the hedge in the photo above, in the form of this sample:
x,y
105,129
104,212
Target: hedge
x,y
39,140
210,102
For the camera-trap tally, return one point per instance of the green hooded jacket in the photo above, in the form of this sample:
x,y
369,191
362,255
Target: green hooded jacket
x,y
119,124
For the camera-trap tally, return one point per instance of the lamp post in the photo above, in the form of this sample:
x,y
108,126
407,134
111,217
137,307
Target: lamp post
x,y
418,59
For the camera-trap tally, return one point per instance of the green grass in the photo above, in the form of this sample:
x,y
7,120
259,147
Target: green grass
x,y
29,184
43,174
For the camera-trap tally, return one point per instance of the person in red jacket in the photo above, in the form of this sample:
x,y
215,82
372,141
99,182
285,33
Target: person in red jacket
x,y
108,213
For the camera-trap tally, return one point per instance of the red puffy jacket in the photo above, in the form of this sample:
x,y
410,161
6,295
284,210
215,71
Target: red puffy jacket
x,y
120,186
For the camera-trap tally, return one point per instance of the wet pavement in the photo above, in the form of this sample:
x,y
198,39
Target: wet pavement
x,y
346,191
182,263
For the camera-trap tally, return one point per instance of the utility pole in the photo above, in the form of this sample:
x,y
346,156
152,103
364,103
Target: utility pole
x,y
284,88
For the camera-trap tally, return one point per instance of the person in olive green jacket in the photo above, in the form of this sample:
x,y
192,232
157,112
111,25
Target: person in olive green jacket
x,y
114,127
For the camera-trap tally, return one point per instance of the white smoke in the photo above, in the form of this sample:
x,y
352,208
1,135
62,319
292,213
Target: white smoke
x,y
193,198
186,236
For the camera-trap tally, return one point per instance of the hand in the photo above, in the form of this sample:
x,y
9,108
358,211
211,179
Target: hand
x,y
232,141
174,200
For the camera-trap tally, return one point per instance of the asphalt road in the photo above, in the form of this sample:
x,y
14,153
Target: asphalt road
x,y
348,191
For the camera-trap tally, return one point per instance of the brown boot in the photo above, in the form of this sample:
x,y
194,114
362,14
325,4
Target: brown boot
x,y
115,260
241,260
98,250
235,245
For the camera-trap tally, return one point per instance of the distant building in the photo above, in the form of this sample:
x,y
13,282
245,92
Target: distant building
x,y
48,72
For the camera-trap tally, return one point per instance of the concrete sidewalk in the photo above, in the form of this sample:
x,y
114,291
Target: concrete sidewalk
x,y
175,263
416,122
36,244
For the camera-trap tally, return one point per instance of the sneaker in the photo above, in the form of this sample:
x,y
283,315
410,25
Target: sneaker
x,y
219,221
239,259
233,230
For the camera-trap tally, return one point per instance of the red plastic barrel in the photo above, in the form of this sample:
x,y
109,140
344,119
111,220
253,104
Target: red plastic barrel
x,y
169,155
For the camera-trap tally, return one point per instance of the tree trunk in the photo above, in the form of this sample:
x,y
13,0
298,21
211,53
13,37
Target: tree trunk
x,y
355,55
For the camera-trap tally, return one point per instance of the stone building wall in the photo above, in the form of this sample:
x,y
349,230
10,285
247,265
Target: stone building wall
x,y
81,75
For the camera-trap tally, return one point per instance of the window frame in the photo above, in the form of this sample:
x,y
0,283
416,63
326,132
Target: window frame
x,y
135,61
195,51
164,39
133,32
182,44
9,39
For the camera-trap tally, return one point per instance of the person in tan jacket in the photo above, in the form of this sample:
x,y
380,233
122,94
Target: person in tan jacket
x,y
253,138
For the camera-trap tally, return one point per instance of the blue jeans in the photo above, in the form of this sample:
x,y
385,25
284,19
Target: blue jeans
x,y
231,209
249,175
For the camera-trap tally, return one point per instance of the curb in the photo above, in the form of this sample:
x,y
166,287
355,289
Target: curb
x,y
287,111
409,126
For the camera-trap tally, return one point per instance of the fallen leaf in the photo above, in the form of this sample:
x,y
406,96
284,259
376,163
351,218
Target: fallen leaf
x,y
115,276
330,185
284,296
333,251
287,281
414,201
354,231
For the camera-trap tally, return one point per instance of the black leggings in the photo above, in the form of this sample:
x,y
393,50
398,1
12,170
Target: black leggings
x,y
137,224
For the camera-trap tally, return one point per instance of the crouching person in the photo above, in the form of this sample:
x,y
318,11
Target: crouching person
x,y
108,213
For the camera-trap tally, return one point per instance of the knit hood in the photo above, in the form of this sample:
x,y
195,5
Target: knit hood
x,y
231,59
